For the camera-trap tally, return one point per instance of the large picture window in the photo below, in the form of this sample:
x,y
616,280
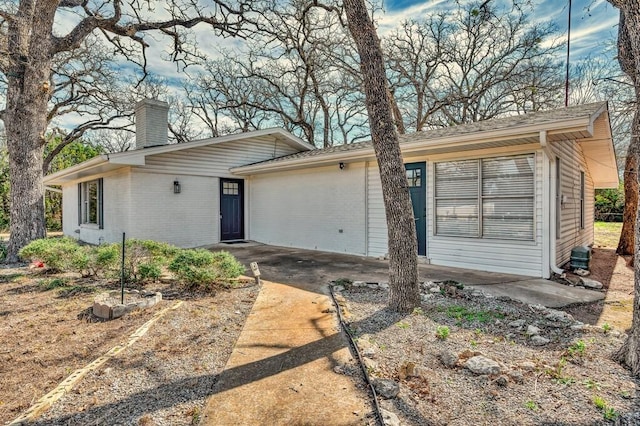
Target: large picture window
x,y
90,203
487,198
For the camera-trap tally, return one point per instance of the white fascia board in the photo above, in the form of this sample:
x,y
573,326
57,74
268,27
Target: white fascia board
x,y
62,174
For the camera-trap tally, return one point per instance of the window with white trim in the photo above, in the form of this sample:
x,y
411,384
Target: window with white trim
x,y
486,198
90,208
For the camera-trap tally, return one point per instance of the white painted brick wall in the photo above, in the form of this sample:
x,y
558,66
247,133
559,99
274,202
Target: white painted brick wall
x,y
187,219
308,208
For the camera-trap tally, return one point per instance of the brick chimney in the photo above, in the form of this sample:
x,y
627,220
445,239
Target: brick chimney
x,y
151,123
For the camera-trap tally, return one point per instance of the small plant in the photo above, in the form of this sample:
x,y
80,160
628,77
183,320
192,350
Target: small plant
x,y
606,327
343,282
461,313
417,311
403,325
442,332
473,344
608,412
576,351
531,405
50,284
625,394
557,373
591,384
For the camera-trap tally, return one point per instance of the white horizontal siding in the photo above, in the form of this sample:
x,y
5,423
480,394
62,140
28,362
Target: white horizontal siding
x,y
571,163
495,255
321,208
216,160
376,216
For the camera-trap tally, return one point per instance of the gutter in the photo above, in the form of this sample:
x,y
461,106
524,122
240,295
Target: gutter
x,y
554,211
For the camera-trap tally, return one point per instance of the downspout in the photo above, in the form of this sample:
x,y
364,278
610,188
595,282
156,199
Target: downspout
x,y
552,210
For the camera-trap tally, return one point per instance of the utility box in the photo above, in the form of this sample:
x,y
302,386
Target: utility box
x,y
580,257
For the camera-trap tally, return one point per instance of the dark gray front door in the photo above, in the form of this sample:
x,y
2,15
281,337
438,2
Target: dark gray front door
x,y
231,209
416,177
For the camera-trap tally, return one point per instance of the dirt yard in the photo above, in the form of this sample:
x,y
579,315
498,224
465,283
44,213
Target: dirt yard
x,y
48,332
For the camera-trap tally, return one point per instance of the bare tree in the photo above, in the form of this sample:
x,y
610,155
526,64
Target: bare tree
x,y
296,71
404,292
629,59
30,48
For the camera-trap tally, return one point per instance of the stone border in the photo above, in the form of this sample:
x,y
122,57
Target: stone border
x,y
104,308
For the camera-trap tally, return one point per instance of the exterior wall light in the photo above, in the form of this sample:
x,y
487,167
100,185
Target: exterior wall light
x,y
341,165
176,187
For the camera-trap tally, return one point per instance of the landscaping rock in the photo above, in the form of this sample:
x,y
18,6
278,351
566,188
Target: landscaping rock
x,y
370,364
389,418
589,283
502,381
532,330
539,341
448,359
434,289
482,365
386,388
527,365
517,323
558,316
517,376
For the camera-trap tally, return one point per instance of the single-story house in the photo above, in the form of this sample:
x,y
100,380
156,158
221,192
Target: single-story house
x,y
510,195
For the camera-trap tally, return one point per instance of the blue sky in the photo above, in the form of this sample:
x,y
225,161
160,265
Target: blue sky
x,y
593,22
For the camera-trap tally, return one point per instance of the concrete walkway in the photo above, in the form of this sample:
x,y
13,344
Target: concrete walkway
x,y
281,370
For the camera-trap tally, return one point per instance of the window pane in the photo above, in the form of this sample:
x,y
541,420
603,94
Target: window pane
x,y
508,218
230,188
458,218
414,178
508,176
92,202
457,179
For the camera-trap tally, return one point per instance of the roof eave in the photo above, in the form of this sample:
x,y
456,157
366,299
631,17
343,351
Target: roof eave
x,y
552,128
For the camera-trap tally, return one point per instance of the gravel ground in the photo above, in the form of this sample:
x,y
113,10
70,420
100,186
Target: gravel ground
x,y
165,378
568,381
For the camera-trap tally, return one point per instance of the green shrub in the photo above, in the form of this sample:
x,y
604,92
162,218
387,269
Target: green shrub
x,y
58,254
153,255
149,271
50,284
201,268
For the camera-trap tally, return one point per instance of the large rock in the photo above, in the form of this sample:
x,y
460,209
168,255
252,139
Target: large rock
x,y
589,283
482,365
389,418
532,330
539,341
448,358
386,388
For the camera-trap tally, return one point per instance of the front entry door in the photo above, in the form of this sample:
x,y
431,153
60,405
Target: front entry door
x,y
416,177
231,209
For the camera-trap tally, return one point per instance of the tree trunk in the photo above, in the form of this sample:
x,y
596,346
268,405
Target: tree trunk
x,y
629,59
404,292
627,236
25,119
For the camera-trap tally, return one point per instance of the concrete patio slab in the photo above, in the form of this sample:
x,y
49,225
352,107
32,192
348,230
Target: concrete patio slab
x,y
315,269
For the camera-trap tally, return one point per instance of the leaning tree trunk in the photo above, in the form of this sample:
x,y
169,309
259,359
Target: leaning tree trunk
x,y
404,292
627,236
25,119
